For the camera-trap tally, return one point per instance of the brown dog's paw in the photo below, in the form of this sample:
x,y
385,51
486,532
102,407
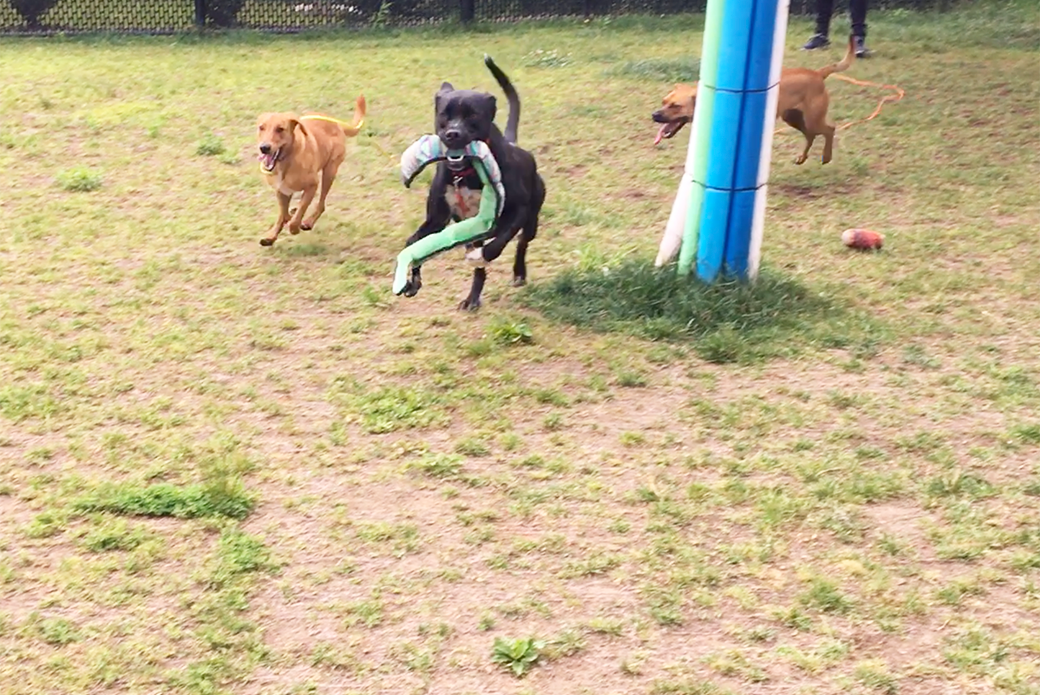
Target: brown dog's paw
x,y
267,241
800,160
307,225
293,229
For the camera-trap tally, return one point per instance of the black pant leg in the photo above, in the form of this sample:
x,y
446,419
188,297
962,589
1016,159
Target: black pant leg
x,y
824,10
858,15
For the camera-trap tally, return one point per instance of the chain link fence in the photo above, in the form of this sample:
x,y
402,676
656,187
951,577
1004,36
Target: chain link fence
x,y
170,16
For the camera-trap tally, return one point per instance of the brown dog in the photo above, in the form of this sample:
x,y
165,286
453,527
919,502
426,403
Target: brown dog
x,y
296,152
802,104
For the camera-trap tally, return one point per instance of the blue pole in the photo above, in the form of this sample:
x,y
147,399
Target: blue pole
x,y
745,57
721,202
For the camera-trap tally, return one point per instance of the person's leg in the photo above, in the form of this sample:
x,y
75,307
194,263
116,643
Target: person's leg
x,y
858,17
824,10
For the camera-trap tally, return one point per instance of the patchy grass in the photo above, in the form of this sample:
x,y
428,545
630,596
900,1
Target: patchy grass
x,y
210,146
79,179
225,468
685,69
163,499
727,321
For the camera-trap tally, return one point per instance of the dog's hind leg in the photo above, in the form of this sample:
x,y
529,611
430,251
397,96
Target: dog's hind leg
x,y
828,143
472,302
796,119
529,232
283,217
305,202
809,138
328,175
818,125
527,235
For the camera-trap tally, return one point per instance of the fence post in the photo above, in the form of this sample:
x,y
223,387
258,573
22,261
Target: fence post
x,y
467,10
200,13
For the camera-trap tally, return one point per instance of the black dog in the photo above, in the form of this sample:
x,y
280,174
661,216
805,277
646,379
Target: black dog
x,y
461,117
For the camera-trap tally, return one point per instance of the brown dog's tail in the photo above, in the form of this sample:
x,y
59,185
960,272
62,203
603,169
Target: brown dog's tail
x,y
850,55
360,109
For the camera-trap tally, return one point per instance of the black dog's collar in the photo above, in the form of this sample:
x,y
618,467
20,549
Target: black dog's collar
x,y
459,174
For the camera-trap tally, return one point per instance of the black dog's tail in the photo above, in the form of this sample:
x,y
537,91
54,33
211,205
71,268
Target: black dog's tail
x,y
513,121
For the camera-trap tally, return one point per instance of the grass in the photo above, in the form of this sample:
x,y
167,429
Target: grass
x,y
79,179
163,499
727,321
685,69
210,146
225,468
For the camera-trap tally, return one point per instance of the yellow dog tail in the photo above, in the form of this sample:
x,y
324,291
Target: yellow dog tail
x,y
360,109
850,56
350,129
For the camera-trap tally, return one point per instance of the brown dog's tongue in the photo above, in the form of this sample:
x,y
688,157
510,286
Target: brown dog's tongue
x,y
660,134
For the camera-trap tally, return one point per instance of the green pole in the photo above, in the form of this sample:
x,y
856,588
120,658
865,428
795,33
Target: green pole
x,y
702,129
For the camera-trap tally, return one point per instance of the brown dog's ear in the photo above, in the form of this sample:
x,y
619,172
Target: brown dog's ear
x,y
295,122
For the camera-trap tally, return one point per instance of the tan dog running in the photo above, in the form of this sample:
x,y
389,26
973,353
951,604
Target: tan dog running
x,y
296,154
802,104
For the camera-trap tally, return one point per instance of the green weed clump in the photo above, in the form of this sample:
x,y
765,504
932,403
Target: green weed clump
x,y
165,499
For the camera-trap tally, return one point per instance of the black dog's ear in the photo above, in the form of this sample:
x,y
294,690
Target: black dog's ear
x,y
491,105
445,90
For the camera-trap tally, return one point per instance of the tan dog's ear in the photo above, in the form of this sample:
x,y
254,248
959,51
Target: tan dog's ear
x,y
295,122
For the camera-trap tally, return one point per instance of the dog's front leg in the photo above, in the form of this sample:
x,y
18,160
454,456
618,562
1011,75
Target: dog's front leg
x,y
437,215
506,227
296,223
283,217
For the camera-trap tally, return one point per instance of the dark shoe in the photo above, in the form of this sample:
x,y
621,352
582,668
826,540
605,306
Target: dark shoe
x,y
861,47
817,41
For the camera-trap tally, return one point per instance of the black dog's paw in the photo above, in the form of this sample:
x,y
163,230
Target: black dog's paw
x,y
412,288
519,281
468,304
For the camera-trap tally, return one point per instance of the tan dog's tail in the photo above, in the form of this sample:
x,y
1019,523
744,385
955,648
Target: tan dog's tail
x,y
850,55
360,109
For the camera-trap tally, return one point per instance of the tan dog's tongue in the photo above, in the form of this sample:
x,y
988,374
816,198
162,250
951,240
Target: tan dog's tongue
x,y
660,134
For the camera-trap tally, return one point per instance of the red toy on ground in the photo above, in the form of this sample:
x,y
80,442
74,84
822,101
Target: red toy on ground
x,y
862,239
